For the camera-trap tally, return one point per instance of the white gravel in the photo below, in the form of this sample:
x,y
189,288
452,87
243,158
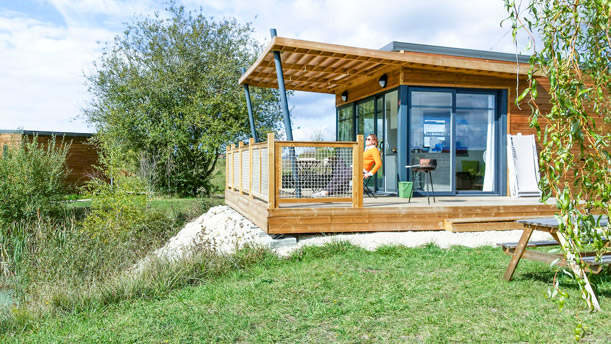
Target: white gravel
x,y
443,239
224,230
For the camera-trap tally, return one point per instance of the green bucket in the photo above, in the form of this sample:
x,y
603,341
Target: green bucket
x,y
405,189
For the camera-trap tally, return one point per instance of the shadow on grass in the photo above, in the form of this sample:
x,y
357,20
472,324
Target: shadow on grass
x,y
601,282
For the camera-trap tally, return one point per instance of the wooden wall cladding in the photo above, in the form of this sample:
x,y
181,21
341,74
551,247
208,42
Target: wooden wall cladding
x,y
81,158
9,140
370,86
440,78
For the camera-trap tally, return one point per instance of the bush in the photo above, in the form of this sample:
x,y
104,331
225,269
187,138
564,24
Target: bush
x,y
117,209
32,179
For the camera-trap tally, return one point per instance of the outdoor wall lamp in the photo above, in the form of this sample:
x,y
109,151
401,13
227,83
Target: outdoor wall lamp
x,y
383,79
344,96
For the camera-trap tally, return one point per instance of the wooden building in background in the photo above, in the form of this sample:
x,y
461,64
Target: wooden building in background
x,y
82,155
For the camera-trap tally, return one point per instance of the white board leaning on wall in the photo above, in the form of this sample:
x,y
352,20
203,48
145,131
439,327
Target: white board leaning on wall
x,y
523,166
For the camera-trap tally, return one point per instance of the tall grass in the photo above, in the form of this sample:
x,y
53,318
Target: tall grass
x,y
32,177
62,267
81,257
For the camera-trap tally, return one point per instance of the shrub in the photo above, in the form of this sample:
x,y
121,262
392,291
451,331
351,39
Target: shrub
x,y
117,209
32,179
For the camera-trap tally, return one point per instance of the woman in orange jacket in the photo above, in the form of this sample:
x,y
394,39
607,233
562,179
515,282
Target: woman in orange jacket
x,y
371,164
372,161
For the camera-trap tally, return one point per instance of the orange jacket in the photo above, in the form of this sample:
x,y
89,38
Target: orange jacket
x,y
371,156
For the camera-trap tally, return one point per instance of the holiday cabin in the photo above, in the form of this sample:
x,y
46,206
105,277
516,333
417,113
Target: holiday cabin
x,y
454,106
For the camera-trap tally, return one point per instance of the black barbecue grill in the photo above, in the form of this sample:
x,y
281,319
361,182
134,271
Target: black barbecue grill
x,y
426,166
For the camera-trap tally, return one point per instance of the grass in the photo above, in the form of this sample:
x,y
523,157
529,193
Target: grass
x,y
343,294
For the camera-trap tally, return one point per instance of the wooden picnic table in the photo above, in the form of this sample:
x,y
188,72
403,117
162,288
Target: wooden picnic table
x,y
518,250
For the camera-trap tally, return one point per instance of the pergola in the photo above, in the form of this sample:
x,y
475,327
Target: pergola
x,y
300,65
329,68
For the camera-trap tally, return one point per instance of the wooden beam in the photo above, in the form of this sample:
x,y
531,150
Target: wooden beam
x,y
233,171
357,178
251,142
227,170
240,148
271,169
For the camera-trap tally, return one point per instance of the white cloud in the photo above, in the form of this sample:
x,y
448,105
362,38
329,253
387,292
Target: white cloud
x,y
41,83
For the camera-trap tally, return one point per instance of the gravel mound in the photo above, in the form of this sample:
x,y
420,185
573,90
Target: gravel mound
x,y
221,229
224,230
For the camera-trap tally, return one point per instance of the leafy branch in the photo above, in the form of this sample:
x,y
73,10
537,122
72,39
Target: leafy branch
x,y
572,67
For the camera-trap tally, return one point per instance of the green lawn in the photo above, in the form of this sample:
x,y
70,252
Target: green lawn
x,y
340,293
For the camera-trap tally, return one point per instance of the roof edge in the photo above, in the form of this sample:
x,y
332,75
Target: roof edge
x,y
396,46
46,133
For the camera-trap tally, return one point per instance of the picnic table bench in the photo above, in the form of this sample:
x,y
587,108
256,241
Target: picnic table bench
x,y
517,250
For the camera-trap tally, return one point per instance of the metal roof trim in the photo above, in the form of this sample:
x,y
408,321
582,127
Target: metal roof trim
x,y
396,46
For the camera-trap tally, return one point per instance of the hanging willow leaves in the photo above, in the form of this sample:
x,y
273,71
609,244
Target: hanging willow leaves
x,y
575,57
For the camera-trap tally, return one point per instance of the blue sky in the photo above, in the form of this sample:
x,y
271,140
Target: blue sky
x,y
46,46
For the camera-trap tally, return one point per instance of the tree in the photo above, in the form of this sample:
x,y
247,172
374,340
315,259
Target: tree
x,y
575,57
167,89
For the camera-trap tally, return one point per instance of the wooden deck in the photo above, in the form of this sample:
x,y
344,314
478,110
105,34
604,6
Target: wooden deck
x,y
391,214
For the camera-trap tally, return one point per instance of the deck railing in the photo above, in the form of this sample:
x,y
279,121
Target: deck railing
x,y
290,172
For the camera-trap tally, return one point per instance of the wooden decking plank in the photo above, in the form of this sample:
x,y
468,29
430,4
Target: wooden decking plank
x,y
362,218
381,214
477,224
493,219
352,227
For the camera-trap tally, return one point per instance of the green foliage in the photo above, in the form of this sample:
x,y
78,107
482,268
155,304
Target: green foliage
x,y
32,180
118,207
117,210
167,93
65,263
576,132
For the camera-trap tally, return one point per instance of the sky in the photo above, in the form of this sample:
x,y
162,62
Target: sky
x,y
47,46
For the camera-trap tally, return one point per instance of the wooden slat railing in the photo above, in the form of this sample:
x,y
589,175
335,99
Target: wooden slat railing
x,y
290,172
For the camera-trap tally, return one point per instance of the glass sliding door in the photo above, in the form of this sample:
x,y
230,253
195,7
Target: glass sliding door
x,y
458,129
389,149
375,115
379,131
475,142
431,137
365,114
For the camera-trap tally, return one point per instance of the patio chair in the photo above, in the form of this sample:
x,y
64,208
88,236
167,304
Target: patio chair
x,y
366,188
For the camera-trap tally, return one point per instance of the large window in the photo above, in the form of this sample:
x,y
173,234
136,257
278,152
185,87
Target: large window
x,y
375,115
345,123
365,116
